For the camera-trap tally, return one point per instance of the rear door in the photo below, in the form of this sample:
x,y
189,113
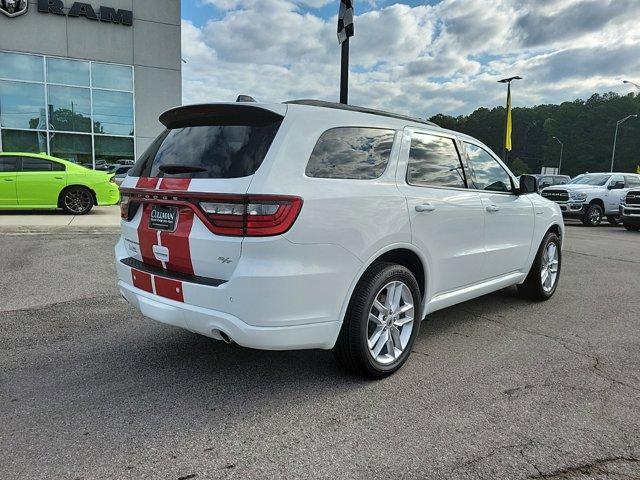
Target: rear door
x,y
40,182
447,220
8,173
509,218
187,191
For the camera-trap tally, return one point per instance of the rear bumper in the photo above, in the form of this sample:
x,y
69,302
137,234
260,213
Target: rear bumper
x,y
209,322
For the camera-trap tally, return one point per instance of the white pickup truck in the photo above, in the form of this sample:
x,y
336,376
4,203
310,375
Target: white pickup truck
x,y
593,196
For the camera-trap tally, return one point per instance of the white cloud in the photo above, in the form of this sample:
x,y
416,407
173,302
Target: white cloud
x,y
420,60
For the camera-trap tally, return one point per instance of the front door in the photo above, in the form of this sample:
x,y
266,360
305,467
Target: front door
x,y
509,218
8,169
447,219
616,190
40,182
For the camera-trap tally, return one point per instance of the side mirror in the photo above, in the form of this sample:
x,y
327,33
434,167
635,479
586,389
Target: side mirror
x,y
528,184
619,185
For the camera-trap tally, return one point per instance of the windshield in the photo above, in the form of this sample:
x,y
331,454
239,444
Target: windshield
x,y
597,180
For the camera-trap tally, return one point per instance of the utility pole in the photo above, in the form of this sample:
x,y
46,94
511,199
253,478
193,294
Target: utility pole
x,y
561,150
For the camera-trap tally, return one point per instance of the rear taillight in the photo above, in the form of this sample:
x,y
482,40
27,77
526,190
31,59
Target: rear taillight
x,y
251,215
127,207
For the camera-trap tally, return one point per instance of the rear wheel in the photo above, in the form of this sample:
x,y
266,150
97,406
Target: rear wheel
x,y
613,220
381,323
632,227
593,216
76,201
543,278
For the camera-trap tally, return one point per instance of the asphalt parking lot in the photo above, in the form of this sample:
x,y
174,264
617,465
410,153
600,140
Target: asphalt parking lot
x,y
496,387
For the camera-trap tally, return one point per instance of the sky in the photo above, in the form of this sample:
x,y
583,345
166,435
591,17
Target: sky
x,y
414,57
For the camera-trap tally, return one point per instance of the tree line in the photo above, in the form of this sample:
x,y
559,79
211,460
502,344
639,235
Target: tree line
x,y
586,127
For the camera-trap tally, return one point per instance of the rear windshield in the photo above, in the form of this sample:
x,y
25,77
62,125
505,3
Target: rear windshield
x,y
222,149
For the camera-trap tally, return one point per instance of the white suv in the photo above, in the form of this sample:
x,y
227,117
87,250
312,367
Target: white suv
x,y
316,225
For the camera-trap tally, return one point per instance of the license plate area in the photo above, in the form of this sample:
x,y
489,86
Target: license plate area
x,y
163,217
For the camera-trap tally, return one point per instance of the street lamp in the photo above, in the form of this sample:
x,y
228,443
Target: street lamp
x,y
615,138
632,83
506,122
561,150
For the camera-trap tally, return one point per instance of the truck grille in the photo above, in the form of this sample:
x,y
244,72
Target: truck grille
x,y
556,195
633,198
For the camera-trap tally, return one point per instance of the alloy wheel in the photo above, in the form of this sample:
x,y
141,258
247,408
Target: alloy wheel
x,y
391,320
550,265
77,201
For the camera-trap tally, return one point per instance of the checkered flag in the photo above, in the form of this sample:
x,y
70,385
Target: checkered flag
x,y
345,21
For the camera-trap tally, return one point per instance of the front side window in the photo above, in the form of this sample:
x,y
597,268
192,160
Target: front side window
x,y
351,153
486,172
8,164
434,161
30,164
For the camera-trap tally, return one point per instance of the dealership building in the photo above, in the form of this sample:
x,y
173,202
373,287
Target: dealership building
x,y
86,81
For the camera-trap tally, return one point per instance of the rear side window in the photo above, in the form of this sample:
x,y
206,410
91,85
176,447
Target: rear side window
x,y
434,161
217,145
351,153
8,164
30,164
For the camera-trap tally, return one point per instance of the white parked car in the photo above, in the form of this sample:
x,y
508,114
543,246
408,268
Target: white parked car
x,y
593,196
316,225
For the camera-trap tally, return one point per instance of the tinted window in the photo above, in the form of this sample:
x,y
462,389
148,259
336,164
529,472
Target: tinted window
x,y
351,152
112,112
210,151
21,67
486,172
434,161
22,105
68,72
632,181
30,164
70,108
116,77
8,164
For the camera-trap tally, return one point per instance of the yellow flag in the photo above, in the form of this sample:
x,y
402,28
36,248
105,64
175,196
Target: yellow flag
x,y
507,139
638,170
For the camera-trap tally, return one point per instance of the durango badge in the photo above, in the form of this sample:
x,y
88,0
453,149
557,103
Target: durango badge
x,y
14,8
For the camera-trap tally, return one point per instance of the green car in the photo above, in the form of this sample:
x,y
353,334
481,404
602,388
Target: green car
x,y
39,181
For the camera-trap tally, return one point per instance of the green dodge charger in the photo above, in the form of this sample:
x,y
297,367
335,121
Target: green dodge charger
x,y
38,181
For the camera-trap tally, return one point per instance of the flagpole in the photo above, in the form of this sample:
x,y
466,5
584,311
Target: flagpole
x,y
344,73
508,110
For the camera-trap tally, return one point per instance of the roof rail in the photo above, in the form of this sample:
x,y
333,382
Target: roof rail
x,y
353,108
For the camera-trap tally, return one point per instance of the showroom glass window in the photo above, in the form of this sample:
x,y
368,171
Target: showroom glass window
x,y
78,110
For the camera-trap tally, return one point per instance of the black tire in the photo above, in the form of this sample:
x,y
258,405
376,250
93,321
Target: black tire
x,y
532,288
593,216
76,200
352,349
613,220
632,227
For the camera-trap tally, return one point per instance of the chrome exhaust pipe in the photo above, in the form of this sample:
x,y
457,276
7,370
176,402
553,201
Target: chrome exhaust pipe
x,y
225,338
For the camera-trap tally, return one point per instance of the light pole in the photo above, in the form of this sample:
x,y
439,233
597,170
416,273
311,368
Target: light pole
x,y
632,83
561,150
615,137
507,124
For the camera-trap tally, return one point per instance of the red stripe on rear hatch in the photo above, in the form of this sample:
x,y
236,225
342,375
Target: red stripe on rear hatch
x,y
178,243
147,182
141,280
168,288
147,237
180,184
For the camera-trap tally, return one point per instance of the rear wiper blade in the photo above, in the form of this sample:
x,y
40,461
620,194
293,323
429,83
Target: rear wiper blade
x,y
175,169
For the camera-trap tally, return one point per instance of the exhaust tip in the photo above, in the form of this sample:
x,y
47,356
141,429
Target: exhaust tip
x,y
224,337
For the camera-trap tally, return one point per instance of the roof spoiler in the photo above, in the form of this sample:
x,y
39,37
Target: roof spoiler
x,y
228,114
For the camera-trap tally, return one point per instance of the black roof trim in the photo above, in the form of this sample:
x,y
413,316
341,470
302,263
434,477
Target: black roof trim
x,y
353,108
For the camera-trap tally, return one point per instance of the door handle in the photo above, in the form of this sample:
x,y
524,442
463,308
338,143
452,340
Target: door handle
x,y
493,208
425,207
58,178
8,179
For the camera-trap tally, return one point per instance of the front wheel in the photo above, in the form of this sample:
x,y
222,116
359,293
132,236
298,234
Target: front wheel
x,y
382,321
543,278
77,201
593,215
632,227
